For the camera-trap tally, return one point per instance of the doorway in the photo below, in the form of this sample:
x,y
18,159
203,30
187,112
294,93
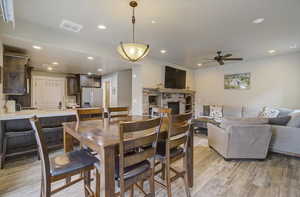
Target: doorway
x,y
48,92
106,94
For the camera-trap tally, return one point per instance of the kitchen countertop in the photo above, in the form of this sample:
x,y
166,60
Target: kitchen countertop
x,y
39,113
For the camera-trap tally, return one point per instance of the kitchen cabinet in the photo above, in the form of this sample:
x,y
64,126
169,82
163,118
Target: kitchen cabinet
x,y
90,81
73,88
15,74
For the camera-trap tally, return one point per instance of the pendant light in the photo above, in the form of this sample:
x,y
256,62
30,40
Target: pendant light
x,y
133,51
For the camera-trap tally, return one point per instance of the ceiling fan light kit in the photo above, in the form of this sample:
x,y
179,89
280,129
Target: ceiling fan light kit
x,y
133,51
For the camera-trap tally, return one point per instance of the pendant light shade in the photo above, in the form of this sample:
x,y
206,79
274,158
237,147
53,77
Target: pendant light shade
x,y
133,51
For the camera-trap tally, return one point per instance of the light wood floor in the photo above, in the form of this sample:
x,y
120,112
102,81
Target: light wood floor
x,y
278,176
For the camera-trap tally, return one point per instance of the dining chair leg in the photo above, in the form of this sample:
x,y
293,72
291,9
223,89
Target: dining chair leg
x,y
163,172
151,184
98,184
87,182
185,178
132,191
168,179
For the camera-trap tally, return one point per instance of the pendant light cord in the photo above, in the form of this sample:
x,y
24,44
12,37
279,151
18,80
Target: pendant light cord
x,y
133,25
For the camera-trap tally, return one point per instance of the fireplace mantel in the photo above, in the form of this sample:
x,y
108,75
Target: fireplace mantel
x,y
169,90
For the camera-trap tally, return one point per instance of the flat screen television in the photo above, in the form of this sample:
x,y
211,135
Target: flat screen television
x,y
175,78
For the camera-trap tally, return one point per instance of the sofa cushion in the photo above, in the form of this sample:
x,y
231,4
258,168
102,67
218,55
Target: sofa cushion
x,y
284,111
227,122
295,120
232,111
269,113
283,120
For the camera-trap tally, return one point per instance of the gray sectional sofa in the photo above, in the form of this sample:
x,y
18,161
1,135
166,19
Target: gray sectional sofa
x,y
284,140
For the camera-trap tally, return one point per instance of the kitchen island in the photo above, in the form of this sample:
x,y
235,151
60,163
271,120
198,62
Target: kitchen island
x,y
17,136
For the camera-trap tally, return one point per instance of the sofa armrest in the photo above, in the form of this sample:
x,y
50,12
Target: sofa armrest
x,y
285,140
218,138
249,141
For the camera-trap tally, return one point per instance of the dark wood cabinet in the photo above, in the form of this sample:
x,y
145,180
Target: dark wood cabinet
x,y
90,81
73,87
15,74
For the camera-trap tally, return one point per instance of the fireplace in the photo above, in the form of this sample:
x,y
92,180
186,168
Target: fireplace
x,y
174,106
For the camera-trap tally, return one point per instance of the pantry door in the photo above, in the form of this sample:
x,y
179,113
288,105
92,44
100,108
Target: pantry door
x,y
48,92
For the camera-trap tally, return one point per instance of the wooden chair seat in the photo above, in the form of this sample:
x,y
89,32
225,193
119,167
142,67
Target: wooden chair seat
x,y
174,152
134,170
71,162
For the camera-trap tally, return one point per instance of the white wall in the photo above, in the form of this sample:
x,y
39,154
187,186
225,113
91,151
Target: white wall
x,y
148,74
125,88
274,82
121,87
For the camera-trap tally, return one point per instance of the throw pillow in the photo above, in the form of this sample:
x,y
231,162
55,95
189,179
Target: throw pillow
x,y
284,112
295,120
280,120
216,113
269,113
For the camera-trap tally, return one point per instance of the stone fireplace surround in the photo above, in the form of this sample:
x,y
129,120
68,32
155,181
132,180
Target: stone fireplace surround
x,y
160,98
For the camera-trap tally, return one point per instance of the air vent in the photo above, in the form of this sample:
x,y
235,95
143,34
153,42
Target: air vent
x,y
70,26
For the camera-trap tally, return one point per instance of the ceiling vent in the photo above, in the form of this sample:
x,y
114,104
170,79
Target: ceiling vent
x,y
70,26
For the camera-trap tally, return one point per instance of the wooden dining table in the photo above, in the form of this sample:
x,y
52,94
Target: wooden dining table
x,y
102,136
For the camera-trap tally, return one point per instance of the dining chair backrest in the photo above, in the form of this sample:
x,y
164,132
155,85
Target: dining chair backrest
x,y
179,128
43,152
162,112
84,114
114,112
134,136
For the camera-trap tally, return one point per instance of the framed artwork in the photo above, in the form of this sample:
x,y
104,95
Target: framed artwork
x,y
240,81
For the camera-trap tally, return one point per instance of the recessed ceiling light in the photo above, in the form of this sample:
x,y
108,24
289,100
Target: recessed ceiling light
x,y
163,51
36,47
90,58
258,20
55,63
199,64
153,21
293,46
99,69
102,27
49,68
89,73
272,51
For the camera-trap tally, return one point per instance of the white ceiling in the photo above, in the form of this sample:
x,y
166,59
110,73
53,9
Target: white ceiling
x,y
190,30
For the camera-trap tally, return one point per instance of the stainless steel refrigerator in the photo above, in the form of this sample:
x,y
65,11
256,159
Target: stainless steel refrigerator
x,y
91,97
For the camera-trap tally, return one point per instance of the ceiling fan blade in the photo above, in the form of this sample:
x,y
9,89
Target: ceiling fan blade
x,y
233,59
227,55
208,59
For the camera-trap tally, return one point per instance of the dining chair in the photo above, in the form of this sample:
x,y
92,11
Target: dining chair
x,y
64,166
114,112
134,163
174,149
84,114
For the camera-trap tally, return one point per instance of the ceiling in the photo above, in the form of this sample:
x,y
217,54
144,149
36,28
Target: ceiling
x,y
189,30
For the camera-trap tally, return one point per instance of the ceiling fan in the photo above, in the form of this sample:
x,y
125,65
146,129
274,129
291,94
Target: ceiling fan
x,y
220,58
